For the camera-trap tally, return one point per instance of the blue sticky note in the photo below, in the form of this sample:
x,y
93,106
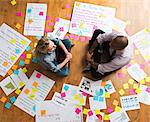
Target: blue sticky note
x,y
28,48
21,63
13,99
101,99
16,72
17,51
34,108
34,59
101,92
29,10
66,88
95,98
8,105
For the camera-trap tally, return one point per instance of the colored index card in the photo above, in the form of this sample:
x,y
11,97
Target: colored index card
x,y
24,70
117,109
121,92
18,91
29,56
107,95
135,86
103,83
5,63
43,112
13,99
147,79
63,94
66,88
18,26
3,99
130,81
35,84
26,91
109,110
126,86
115,102
13,2
90,113
142,81
38,75
8,105
97,112
10,72
106,117
77,110
85,111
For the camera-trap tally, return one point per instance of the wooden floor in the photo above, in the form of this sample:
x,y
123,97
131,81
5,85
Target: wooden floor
x,y
136,12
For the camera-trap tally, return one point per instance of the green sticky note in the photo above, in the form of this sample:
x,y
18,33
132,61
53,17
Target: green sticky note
x,y
12,58
34,90
24,70
31,96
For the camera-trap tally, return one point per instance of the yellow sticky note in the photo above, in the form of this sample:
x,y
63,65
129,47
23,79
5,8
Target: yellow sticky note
x,y
115,102
12,58
29,56
13,2
21,84
23,42
18,91
117,109
76,97
121,92
34,90
85,111
18,26
130,81
135,86
13,41
81,100
97,112
106,117
147,79
126,86
136,52
35,44
142,81
107,95
43,112
24,70
138,90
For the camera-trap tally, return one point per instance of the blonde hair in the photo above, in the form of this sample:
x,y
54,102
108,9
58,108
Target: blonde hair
x,y
42,46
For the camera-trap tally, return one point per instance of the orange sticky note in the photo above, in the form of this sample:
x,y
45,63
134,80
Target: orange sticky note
x,y
43,112
103,83
3,99
5,63
10,72
26,91
35,84
14,67
115,102
27,61
18,26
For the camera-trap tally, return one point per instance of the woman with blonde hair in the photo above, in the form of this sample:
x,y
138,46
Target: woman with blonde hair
x,y
54,54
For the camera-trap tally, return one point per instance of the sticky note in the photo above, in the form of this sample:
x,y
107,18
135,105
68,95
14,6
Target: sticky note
x,y
136,52
130,81
66,88
17,51
97,112
13,2
138,90
109,110
13,41
8,105
5,64
115,102
34,59
101,99
132,92
50,23
62,29
81,100
34,90
148,89
38,75
77,110
29,10
10,72
103,83
21,84
107,95
18,26
26,91
23,55
135,86
18,91
24,70
120,75
30,21
117,109
12,58
43,112
95,98
126,86
147,79
23,42
56,19
41,13
142,81
13,99
68,15
85,111
28,48
67,6
16,72
35,84
63,94
76,97
84,94
106,117
27,61
19,14
21,63
31,96
14,67
3,99
121,92
90,113
29,56
47,17
99,118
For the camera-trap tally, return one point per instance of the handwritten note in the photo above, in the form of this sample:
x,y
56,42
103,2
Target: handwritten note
x,y
35,19
88,17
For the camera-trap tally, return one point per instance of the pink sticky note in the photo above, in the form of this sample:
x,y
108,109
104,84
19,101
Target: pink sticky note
x,y
77,110
76,38
109,110
38,75
87,39
41,13
68,15
50,24
128,65
74,25
132,92
67,5
56,19
63,94
23,55
142,66
71,36
82,39
120,75
84,94
99,117
47,17
62,29
19,14
148,89
90,113
46,31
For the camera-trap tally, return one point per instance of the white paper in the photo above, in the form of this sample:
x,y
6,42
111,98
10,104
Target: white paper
x,y
73,91
88,17
119,116
27,103
130,102
86,85
60,29
8,85
55,113
23,77
35,19
94,118
142,41
109,87
144,96
8,49
136,72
